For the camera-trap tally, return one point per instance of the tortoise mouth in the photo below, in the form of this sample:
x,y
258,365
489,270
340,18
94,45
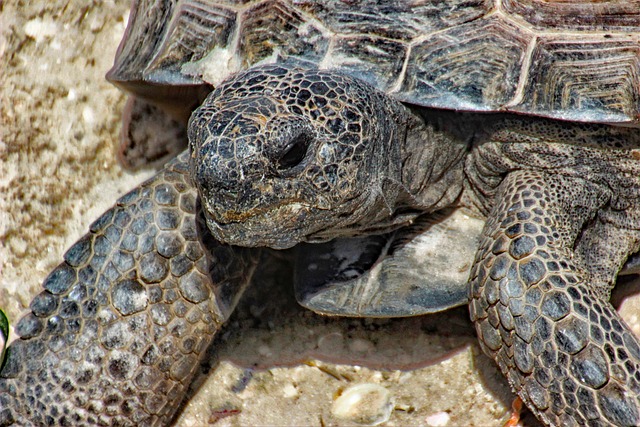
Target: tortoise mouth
x,y
263,212
279,226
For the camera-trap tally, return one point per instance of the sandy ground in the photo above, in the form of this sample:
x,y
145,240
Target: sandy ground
x,y
275,363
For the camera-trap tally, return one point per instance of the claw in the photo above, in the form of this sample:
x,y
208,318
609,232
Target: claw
x,y
516,409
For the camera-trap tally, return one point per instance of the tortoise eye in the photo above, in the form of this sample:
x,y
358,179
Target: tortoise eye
x,y
294,152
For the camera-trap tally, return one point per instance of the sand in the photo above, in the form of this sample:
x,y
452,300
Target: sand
x,y
275,363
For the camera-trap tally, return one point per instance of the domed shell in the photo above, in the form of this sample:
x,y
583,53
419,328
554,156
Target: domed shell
x,y
571,60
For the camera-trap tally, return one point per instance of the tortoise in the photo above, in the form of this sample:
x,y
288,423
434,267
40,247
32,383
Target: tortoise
x,y
347,126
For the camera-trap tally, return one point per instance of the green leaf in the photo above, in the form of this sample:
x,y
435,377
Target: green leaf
x,y
4,337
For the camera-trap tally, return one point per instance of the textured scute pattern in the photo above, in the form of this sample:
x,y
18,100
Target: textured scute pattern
x,y
573,60
118,331
586,15
563,347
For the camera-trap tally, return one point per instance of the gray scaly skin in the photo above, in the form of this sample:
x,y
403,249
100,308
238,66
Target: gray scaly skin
x,y
563,221
116,336
281,155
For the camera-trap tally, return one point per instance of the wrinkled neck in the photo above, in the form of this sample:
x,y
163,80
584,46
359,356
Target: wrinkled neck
x,y
433,152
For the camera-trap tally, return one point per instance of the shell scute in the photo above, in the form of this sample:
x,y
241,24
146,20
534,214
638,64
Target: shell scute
x,y
578,15
475,66
573,60
587,80
275,28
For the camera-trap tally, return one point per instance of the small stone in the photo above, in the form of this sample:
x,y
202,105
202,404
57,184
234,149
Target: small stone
x,y
88,115
289,391
366,404
439,419
40,29
265,351
361,346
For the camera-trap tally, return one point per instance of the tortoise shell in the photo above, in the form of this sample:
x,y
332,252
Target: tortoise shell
x,y
574,60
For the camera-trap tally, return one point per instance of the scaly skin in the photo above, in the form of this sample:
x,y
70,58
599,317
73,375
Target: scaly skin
x,y
116,336
282,155
539,314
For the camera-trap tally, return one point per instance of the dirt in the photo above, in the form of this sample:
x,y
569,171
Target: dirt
x,y
274,363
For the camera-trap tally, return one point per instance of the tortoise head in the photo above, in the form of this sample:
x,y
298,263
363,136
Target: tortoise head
x,y
282,155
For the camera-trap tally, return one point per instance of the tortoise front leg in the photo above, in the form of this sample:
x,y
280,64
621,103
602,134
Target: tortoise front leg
x,y
117,333
542,316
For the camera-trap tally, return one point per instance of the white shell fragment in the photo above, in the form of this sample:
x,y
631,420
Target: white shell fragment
x,y
439,419
366,404
40,30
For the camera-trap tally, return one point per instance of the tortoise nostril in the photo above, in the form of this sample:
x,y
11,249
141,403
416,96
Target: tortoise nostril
x,y
294,152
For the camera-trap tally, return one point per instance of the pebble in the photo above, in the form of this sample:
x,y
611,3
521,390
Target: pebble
x,y
290,391
88,115
39,29
365,404
439,419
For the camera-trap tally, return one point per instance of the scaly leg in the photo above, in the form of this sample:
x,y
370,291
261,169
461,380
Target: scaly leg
x,y
117,334
542,316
